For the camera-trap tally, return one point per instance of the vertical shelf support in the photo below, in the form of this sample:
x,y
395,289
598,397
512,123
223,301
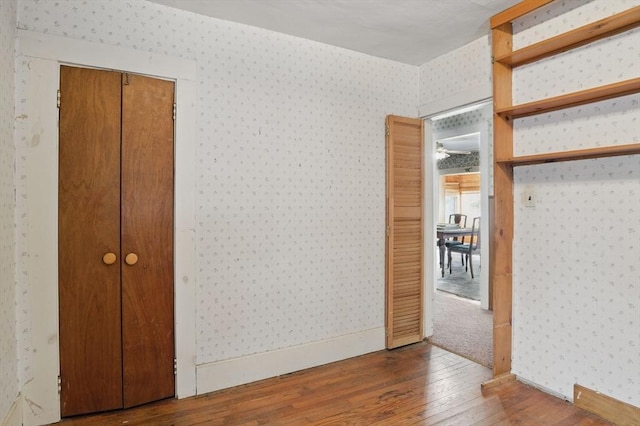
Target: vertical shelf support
x,y
501,252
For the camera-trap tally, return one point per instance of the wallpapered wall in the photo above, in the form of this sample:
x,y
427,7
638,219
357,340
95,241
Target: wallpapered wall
x,y
457,71
8,350
289,128
576,307
291,170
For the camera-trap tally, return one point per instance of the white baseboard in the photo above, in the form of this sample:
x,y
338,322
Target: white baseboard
x,y
224,374
14,415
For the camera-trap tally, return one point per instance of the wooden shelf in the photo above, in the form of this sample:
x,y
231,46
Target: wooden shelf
x,y
596,94
579,154
502,218
603,28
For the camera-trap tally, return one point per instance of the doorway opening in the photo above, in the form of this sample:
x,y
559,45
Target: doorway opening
x,y
461,171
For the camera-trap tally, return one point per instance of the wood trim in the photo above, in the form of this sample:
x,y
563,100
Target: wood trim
x,y
404,286
582,97
604,406
502,226
579,154
586,34
516,11
498,381
45,53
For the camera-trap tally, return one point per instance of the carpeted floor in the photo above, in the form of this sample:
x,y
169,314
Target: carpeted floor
x,y
459,282
461,326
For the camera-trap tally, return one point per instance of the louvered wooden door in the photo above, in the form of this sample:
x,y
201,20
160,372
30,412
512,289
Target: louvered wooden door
x,y
115,223
404,254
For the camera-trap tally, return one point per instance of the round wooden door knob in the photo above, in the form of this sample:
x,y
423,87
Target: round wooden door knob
x,y
131,259
109,258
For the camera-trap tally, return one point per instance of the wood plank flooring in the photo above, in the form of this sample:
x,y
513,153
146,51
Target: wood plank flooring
x,y
419,384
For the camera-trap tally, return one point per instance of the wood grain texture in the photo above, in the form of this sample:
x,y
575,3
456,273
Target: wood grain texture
x,y
417,384
88,228
611,25
604,406
502,226
115,196
147,231
595,94
572,155
405,269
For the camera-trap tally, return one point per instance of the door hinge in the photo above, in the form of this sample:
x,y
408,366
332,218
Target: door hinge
x,y
175,108
59,385
386,128
388,230
58,99
175,366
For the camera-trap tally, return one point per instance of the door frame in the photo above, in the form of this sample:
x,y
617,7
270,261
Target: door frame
x,y
476,95
42,56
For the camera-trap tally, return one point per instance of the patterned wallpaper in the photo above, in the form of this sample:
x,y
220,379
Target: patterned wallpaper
x,y
576,311
457,71
291,170
466,67
8,349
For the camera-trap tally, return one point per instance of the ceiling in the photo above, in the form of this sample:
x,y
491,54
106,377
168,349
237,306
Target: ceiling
x,y
469,142
408,31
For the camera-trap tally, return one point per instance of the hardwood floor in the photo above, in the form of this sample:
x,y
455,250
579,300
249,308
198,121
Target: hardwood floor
x,y
417,384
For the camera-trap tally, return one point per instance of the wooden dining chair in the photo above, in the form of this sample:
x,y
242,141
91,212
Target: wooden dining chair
x,y
467,250
460,220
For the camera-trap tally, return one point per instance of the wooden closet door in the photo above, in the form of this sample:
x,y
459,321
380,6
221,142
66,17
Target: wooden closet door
x,y
147,233
404,254
115,199
89,228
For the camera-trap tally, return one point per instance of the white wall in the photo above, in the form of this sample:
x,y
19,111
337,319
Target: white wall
x,y
8,344
290,174
576,311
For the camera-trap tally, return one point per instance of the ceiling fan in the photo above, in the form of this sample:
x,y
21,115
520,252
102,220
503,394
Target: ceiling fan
x,y
442,152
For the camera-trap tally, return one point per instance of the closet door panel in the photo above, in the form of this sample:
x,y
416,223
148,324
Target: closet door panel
x,y
147,233
405,239
89,228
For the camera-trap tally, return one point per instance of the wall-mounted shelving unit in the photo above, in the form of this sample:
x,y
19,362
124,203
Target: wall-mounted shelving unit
x,y
569,100
578,154
505,59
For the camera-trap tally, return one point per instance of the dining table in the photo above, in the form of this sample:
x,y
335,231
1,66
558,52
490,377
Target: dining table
x,y
445,232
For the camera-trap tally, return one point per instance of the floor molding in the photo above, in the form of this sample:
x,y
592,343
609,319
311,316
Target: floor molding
x,y
604,406
498,381
228,373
